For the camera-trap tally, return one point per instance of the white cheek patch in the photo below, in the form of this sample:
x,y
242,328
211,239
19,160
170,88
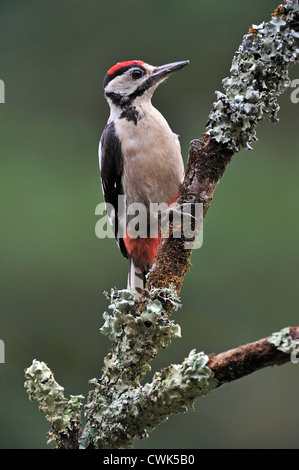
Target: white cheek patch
x,y
124,85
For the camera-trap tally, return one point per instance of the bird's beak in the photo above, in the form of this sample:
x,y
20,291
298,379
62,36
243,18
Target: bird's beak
x,y
159,73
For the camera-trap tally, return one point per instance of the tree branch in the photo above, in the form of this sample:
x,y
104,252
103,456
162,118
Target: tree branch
x,y
204,170
244,360
259,74
120,408
140,409
64,415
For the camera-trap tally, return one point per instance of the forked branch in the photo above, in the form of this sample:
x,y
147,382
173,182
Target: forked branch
x,y
119,408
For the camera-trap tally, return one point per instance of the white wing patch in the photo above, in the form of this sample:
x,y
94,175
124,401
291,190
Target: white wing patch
x,y
100,155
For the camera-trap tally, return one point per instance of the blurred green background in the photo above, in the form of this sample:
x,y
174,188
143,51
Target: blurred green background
x,y
243,284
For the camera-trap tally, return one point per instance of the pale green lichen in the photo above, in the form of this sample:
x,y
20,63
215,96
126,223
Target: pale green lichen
x,y
284,341
137,335
119,408
63,414
126,409
138,410
181,384
121,303
259,74
122,313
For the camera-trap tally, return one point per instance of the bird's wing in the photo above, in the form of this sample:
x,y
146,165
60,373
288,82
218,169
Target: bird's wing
x,y
111,161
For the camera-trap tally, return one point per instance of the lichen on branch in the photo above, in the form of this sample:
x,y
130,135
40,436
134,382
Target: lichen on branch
x,y
285,341
133,413
259,74
137,335
63,414
120,408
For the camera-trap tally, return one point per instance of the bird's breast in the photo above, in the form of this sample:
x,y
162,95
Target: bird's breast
x,y
153,167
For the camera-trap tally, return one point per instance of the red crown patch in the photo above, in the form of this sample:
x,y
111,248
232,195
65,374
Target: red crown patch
x,y
124,64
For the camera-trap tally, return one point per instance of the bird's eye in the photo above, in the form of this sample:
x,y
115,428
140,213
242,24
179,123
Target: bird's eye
x,y
136,73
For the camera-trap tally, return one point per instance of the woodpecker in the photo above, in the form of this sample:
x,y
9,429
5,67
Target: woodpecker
x,y
140,157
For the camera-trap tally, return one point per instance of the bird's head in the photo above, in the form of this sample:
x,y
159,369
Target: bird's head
x,y
134,79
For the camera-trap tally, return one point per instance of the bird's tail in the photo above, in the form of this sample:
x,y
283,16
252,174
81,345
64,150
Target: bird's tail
x,y
136,278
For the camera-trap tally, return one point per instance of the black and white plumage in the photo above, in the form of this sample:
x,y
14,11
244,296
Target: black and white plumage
x,y
111,174
140,157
